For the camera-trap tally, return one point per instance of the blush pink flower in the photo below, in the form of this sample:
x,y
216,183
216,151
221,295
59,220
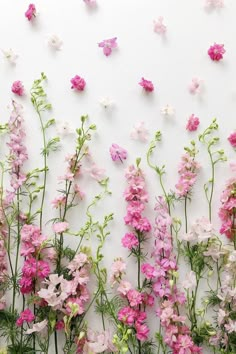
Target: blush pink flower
x,y
193,123
124,287
31,12
118,153
60,227
78,83
146,85
108,45
90,2
159,26
129,240
232,139
17,88
96,172
195,86
215,3
25,316
140,132
134,297
37,327
216,52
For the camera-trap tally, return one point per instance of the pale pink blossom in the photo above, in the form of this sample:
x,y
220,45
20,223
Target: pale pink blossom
x,y
108,45
231,326
96,172
189,281
64,128
78,83
31,12
124,287
98,342
118,153
216,52
37,327
55,42
193,123
117,270
159,26
60,227
18,88
90,2
232,165
147,85
195,86
140,132
215,3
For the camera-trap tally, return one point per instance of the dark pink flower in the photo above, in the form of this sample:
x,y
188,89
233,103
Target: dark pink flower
x,y
147,85
117,153
108,45
31,12
17,88
193,123
129,241
78,83
232,139
216,52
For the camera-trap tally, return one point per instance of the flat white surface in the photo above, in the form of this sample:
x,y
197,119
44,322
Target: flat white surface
x,y
170,62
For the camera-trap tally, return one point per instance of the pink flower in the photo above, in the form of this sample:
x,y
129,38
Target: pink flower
x,y
159,27
117,153
60,227
140,132
232,139
90,2
25,316
31,12
78,83
142,331
195,86
216,52
147,85
134,297
37,327
17,88
127,315
96,172
59,325
124,287
117,270
129,241
215,3
148,270
108,45
193,123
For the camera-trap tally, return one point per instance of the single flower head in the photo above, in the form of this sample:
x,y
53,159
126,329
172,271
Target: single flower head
x,y
106,102
10,56
167,111
55,42
216,52
146,85
215,3
108,45
159,26
64,128
90,2
31,12
195,86
193,123
78,83
140,132
232,139
18,88
117,153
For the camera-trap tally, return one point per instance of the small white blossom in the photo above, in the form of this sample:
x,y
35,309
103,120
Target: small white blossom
x,y
55,42
10,55
167,111
190,280
64,128
106,102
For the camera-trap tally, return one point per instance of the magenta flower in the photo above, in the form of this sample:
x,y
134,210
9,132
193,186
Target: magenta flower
x,y
232,139
108,45
25,316
18,88
147,85
117,153
129,240
216,52
31,12
193,123
78,83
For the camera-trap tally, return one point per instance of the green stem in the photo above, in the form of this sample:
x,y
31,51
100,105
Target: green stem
x,y
212,184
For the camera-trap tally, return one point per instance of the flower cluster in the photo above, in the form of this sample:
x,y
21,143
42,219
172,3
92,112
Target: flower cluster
x,y
108,45
78,83
227,209
193,123
216,52
147,85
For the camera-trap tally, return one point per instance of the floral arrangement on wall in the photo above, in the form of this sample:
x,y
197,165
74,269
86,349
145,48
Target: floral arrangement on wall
x,y
180,296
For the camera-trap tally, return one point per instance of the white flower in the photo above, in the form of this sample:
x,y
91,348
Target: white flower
x,y
64,128
37,327
203,229
232,256
190,280
10,55
55,42
106,102
231,327
187,237
167,111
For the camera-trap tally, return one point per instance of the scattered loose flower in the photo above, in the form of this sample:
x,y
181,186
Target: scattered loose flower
x,y
10,56
215,3
159,26
195,86
78,83
106,102
118,153
55,42
167,111
140,132
216,52
147,85
108,45
90,2
18,88
193,123
232,139
64,128
31,12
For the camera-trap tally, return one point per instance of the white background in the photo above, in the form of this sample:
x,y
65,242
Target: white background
x,y
170,62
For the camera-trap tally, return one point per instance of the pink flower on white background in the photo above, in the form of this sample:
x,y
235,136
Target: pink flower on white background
x,y
232,139
31,12
216,52
118,153
215,3
90,2
108,45
147,85
60,227
78,83
159,26
193,123
140,132
232,165
18,88
195,86
96,172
